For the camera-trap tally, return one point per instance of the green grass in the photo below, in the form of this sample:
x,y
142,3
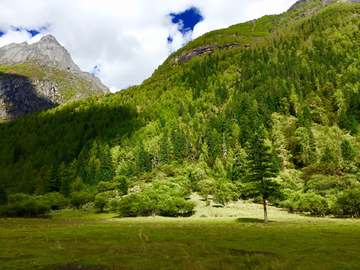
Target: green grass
x,y
230,238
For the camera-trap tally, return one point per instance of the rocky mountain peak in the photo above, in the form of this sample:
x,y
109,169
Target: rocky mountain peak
x,y
47,50
39,76
49,39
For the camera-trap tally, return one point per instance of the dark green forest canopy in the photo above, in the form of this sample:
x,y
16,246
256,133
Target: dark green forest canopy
x,y
192,122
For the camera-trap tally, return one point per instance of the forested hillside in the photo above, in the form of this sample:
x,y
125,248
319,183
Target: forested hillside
x,y
192,126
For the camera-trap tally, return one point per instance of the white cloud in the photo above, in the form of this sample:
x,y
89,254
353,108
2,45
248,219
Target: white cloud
x,y
127,39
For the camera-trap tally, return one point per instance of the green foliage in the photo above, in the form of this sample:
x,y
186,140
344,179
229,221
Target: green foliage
x,y
24,205
54,182
226,193
348,153
143,158
261,166
56,200
3,195
261,169
159,198
65,187
349,201
164,155
307,202
123,185
101,202
77,199
207,187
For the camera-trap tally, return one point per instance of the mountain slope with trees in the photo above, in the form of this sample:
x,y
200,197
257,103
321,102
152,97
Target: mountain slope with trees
x,y
191,127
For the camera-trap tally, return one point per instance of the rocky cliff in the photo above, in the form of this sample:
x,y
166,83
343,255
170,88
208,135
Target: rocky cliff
x,y
40,76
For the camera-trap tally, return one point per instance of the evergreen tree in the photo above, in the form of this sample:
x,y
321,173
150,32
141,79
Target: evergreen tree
x,y
262,168
143,158
65,187
3,195
239,170
164,155
348,153
344,121
123,187
106,168
179,144
54,182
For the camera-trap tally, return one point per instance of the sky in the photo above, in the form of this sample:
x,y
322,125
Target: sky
x,y
123,42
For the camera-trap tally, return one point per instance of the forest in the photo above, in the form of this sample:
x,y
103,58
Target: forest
x,y
290,101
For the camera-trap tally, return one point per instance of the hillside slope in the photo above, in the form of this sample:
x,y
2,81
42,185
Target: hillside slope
x,y
40,76
190,126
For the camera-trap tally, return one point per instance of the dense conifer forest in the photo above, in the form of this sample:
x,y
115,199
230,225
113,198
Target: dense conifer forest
x,y
289,100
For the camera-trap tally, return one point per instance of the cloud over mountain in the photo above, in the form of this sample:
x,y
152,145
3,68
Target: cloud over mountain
x,y
124,40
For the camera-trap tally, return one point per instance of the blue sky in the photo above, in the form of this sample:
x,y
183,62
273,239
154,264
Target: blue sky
x,y
185,21
123,42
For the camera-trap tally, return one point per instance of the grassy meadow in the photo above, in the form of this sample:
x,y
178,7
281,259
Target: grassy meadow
x,y
213,238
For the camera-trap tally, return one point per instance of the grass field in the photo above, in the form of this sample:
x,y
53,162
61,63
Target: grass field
x,y
214,238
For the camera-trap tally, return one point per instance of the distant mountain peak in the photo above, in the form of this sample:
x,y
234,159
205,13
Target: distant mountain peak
x,y
49,39
294,5
39,76
47,50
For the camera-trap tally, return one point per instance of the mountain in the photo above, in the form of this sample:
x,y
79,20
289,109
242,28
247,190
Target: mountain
x,y
192,126
40,76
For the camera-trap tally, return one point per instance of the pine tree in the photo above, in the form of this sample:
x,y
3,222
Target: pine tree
x,y
347,151
164,150
179,144
262,168
106,167
143,159
123,187
239,169
54,183
3,195
65,187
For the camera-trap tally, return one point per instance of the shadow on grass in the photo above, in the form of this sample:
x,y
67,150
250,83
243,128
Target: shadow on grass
x,y
251,220
218,206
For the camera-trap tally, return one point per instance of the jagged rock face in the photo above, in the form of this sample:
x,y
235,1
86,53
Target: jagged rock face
x,y
20,96
294,5
60,79
186,55
47,51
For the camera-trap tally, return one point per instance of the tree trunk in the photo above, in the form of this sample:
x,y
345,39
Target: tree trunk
x,y
265,211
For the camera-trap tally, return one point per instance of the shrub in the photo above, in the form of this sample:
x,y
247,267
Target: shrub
x,y
207,187
159,198
114,205
78,199
307,202
56,200
349,201
226,193
24,205
101,202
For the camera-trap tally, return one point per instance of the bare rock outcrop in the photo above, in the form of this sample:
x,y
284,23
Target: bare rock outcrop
x,y
186,55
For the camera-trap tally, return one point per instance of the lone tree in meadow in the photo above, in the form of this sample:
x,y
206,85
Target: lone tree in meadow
x,y
262,166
